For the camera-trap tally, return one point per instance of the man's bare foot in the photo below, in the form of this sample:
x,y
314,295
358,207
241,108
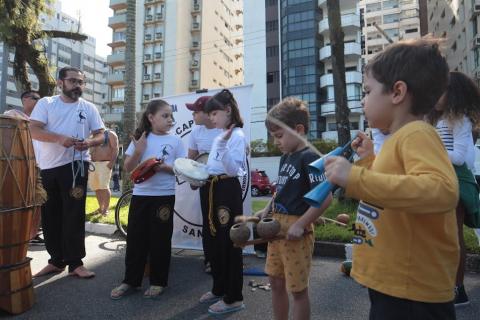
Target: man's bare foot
x,y
48,269
82,272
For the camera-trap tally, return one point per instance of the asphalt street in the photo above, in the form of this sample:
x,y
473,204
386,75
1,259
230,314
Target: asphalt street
x,y
332,295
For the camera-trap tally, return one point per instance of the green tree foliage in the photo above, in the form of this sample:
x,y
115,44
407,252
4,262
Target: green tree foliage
x,y
19,30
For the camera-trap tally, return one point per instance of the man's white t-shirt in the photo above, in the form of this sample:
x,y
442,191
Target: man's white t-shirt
x,y
201,138
77,119
228,157
168,147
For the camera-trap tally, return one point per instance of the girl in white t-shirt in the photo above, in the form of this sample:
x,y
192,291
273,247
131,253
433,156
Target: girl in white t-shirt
x,y
225,165
456,114
150,216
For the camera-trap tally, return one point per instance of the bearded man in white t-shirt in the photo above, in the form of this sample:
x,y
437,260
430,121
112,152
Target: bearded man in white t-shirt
x,y
200,142
62,125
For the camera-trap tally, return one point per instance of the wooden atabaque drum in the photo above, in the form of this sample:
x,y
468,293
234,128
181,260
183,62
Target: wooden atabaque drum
x,y
18,172
16,287
18,182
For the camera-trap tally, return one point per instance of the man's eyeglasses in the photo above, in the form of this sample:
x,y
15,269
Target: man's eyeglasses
x,y
74,81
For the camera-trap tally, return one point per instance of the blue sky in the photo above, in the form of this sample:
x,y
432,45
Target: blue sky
x,y
94,16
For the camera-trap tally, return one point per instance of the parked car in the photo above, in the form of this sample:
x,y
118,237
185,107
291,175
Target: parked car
x,y
260,183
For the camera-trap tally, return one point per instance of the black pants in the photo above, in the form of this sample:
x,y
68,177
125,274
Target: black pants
x,y
150,228
385,307
226,260
206,236
63,217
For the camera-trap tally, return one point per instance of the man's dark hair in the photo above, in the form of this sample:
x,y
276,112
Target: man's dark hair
x,y
420,64
29,92
290,111
62,74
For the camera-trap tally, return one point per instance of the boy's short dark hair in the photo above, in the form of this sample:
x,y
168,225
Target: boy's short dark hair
x,y
62,74
420,64
291,111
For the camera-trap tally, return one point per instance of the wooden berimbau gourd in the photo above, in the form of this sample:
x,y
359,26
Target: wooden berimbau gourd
x,y
19,199
267,229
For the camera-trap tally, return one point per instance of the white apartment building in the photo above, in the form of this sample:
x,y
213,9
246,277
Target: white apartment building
x,y
351,24
399,19
458,21
59,53
181,46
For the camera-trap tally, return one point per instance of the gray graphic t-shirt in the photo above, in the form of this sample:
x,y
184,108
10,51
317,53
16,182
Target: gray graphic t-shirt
x,y
294,181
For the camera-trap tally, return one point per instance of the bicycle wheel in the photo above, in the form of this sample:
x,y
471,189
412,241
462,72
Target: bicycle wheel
x,y
121,212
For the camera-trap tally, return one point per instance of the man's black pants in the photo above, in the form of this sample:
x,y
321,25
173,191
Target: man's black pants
x,y
63,217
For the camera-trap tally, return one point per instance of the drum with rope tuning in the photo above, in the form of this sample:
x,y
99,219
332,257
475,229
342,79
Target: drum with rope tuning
x,y
191,171
145,170
18,172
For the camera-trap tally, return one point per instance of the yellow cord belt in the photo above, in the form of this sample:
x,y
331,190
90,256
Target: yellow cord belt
x,y
213,230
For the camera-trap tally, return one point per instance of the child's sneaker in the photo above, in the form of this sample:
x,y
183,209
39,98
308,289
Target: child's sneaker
x,y
461,298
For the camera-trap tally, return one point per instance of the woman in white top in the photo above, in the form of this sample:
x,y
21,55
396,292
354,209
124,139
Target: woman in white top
x,y
225,165
456,114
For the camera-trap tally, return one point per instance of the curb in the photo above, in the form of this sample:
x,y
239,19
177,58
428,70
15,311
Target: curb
x,y
337,250
321,248
100,228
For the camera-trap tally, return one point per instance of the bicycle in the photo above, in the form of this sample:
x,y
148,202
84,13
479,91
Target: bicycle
x,y
123,204
121,212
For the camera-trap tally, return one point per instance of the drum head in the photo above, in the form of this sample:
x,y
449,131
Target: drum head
x,y
202,158
191,169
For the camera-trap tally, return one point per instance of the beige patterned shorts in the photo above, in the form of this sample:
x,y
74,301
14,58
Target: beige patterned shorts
x,y
99,179
288,259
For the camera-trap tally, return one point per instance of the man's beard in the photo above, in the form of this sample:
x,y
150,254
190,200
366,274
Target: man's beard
x,y
73,94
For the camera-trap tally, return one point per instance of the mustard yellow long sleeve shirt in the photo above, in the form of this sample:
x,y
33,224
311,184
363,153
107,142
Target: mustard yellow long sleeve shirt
x,y
406,231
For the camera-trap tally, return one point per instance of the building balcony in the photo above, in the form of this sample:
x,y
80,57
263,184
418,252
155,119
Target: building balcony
x,y
115,78
117,100
350,49
117,43
195,8
196,26
350,23
158,56
116,59
157,77
350,77
195,46
147,78
118,4
194,84
117,21
355,107
152,2
194,64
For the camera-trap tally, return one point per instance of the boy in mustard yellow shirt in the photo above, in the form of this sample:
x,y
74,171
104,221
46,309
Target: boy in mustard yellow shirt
x,y
406,249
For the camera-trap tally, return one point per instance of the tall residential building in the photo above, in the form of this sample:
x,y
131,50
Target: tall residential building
x,y
351,25
255,66
399,19
181,46
459,23
59,53
272,52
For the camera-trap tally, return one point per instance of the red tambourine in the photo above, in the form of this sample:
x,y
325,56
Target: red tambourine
x,y
145,170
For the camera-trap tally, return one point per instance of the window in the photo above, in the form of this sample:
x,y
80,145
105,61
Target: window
x,y
272,51
271,25
273,76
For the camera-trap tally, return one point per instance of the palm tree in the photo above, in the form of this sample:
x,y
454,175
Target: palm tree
x,y
129,105
19,28
338,69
